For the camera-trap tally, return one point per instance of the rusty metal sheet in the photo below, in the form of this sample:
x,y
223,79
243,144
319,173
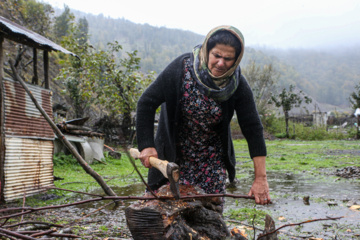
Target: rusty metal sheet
x,y
22,118
23,35
28,167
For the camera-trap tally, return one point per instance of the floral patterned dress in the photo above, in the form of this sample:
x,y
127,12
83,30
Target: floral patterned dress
x,y
199,144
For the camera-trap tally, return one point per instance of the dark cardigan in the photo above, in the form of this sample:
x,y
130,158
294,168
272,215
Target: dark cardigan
x,y
166,91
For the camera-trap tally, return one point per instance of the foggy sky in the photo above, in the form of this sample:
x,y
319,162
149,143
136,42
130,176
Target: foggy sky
x,y
275,23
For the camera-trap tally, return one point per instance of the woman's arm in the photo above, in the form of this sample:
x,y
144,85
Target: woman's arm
x,y
260,187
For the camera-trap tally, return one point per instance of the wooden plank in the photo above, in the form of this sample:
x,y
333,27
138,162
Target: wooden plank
x,y
2,120
35,79
46,69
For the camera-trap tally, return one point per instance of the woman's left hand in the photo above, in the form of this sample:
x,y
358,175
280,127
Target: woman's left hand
x,y
260,187
260,190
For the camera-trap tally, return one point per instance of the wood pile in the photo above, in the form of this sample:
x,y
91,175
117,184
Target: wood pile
x,y
73,129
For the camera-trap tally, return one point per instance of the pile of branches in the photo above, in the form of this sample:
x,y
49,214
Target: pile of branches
x,y
73,129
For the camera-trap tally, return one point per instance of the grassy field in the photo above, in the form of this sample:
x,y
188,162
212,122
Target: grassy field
x,y
298,156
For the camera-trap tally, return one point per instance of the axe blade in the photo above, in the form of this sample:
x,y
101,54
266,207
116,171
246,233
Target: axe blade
x,y
173,176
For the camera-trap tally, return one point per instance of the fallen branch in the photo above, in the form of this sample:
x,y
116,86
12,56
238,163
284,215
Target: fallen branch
x,y
32,222
30,209
43,233
68,190
297,224
15,234
132,161
76,183
54,234
7,236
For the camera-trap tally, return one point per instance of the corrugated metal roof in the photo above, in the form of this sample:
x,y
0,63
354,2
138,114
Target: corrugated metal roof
x,y
25,36
28,167
22,118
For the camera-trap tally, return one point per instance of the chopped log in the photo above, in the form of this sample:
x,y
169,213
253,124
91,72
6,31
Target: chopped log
x,y
176,219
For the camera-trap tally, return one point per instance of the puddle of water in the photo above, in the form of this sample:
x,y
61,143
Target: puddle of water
x,y
289,190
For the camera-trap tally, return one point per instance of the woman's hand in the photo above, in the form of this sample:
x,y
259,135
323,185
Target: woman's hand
x,y
260,187
260,190
145,154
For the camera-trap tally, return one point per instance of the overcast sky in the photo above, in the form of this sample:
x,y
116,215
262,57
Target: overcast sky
x,y
276,23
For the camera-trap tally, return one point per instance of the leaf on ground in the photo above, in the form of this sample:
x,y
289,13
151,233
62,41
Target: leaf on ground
x,y
282,218
239,230
355,207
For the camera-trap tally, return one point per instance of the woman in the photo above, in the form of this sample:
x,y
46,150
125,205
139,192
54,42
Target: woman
x,y
198,93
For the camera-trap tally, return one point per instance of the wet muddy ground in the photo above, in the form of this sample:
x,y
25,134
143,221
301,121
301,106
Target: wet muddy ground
x,y
301,197
328,196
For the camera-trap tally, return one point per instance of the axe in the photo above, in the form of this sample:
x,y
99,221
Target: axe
x,y
170,170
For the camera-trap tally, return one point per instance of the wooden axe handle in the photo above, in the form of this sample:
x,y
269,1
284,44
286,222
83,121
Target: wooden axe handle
x,y
159,164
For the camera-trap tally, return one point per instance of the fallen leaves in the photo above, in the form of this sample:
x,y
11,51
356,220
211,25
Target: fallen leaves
x,y
355,207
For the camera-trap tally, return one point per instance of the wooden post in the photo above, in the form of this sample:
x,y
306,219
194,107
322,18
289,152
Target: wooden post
x,y
63,139
2,121
35,79
46,69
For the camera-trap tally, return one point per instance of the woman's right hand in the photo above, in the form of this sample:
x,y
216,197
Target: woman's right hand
x,y
145,154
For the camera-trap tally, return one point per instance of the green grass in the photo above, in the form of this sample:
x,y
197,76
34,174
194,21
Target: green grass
x,y
297,156
116,172
248,215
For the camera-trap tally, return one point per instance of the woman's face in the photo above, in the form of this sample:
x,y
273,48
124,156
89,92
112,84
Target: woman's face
x,y
221,59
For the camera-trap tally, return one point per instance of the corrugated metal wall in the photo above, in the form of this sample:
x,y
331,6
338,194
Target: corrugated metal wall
x,y
28,166
29,145
22,118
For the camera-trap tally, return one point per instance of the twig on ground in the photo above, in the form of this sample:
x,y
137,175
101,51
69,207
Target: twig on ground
x,y
24,199
15,234
33,222
80,219
254,225
43,233
68,190
7,236
76,182
298,224
30,209
138,172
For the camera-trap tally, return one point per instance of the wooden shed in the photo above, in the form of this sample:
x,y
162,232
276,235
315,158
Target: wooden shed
x,y
26,139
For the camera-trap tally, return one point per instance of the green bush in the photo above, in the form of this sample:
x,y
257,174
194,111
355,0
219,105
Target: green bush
x,y
61,160
276,127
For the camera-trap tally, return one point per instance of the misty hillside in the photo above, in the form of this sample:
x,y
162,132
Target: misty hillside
x,y
328,76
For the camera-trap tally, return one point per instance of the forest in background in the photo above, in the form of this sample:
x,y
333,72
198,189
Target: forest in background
x,y
328,76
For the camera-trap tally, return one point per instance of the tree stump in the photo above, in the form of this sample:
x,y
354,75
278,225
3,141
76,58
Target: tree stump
x,y
177,219
269,227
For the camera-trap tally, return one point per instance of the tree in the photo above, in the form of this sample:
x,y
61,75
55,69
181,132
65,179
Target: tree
x,y
288,100
83,34
63,23
355,103
31,14
262,82
97,79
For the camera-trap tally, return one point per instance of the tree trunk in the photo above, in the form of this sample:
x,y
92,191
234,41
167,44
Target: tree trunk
x,y
176,219
357,128
287,123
